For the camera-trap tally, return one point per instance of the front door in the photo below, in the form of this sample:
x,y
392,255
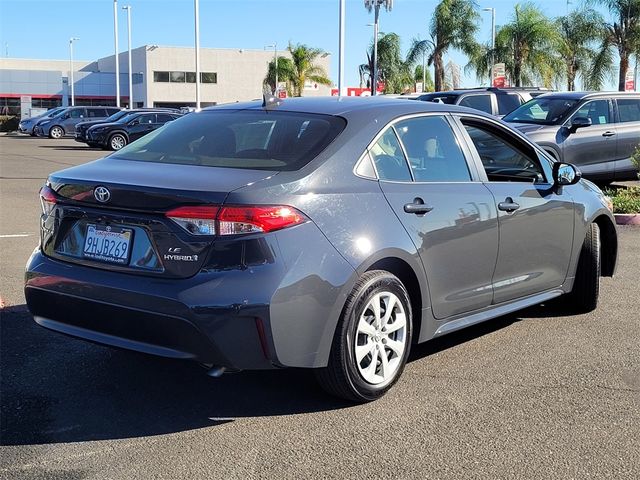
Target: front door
x,y
450,215
141,125
536,220
592,149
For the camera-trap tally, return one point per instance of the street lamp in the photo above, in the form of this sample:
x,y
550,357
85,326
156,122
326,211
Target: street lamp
x,y
128,9
196,8
115,41
375,6
275,66
493,40
71,40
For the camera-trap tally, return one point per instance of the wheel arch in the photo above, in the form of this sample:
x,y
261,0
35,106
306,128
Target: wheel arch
x,y
405,273
609,244
116,132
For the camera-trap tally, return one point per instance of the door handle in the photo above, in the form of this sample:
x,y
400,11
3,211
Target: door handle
x,y
508,205
608,133
417,207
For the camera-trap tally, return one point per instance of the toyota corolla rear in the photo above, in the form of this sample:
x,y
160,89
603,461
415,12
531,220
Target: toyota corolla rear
x,y
142,250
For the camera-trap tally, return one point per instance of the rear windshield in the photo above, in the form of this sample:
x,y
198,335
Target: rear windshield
x,y
254,139
448,98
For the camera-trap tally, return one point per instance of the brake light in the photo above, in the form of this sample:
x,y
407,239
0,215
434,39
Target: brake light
x,y
197,220
48,200
235,220
248,219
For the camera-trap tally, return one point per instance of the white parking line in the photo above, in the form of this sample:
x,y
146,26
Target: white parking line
x,y
16,235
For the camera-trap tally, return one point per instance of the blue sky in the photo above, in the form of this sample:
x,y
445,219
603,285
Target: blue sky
x,y
41,29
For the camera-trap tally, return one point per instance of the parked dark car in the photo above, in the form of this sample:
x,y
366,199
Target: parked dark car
x,y
324,233
494,101
127,129
82,127
598,132
27,125
64,123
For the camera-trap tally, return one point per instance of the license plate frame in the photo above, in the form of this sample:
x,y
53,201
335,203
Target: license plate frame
x,y
112,253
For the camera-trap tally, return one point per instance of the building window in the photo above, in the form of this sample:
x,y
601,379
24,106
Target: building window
x,y
185,77
208,77
160,76
177,77
9,106
45,102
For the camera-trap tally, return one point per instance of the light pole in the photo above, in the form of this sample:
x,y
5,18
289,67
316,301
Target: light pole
x,y
115,42
375,6
341,49
128,9
71,40
196,7
275,66
493,40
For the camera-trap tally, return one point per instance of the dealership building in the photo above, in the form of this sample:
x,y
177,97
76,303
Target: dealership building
x,y
162,77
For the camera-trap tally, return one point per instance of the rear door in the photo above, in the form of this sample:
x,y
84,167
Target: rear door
x,y
448,213
592,149
628,132
535,219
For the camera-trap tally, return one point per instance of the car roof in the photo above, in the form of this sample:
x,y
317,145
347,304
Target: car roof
x,y
346,105
581,95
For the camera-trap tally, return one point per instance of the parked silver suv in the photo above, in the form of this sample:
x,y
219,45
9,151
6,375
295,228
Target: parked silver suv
x,y
598,132
64,123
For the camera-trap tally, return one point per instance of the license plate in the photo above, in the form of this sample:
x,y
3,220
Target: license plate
x,y
108,244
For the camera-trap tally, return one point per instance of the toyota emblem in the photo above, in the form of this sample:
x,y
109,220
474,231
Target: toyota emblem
x,y
102,194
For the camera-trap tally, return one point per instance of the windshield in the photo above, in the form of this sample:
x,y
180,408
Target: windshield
x,y
116,116
253,139
542,111
448,98
53,112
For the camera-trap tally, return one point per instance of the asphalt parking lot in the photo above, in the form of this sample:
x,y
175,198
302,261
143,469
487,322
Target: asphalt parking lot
x,y
531,395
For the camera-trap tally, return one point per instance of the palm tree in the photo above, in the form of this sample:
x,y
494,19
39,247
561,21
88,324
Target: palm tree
x,y
303,60
526,45
393,71
454,25
583,48
624,32
285,73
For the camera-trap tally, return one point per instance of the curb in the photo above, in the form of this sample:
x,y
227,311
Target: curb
x,y
628,218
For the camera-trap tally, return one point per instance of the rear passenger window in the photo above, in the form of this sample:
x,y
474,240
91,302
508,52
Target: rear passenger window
x,y
389,159
434,153
97,113
629,109
508,103
479,102
164,117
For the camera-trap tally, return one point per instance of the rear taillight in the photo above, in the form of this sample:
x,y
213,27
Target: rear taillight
x,y
197,220
48,200
235,220
241,219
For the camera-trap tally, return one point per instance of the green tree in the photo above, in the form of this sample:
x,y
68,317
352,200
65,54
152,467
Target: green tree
x,y
418,77
393,71
583,48
303,59
453,25
526,45
623,33
285,73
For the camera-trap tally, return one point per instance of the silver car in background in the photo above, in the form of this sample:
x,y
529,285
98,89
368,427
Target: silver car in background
x,y
597,132
27,125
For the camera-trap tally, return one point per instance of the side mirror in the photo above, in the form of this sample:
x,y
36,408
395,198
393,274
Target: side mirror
x,y
133,123
65,116
565,174
580,122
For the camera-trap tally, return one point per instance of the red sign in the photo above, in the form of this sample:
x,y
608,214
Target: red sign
x,y
282,94
353,92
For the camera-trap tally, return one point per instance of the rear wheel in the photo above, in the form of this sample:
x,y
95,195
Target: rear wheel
x,y
56,132
372,340
586,286
117,141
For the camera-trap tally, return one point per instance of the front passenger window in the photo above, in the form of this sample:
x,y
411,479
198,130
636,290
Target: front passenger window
x,y
597,111
502,161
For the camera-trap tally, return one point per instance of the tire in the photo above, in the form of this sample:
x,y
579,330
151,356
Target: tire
x,y
586,286
360,333
117,141
56,132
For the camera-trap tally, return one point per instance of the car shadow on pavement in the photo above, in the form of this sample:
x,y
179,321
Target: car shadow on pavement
x,y
55,389
74,148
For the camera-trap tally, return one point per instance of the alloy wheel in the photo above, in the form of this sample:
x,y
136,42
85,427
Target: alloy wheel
x,y
117,142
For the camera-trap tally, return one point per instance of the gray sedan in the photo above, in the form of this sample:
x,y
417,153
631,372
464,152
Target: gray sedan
x,y
329,234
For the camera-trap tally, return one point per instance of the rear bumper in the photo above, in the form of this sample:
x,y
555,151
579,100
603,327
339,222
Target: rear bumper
x,y
271,315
